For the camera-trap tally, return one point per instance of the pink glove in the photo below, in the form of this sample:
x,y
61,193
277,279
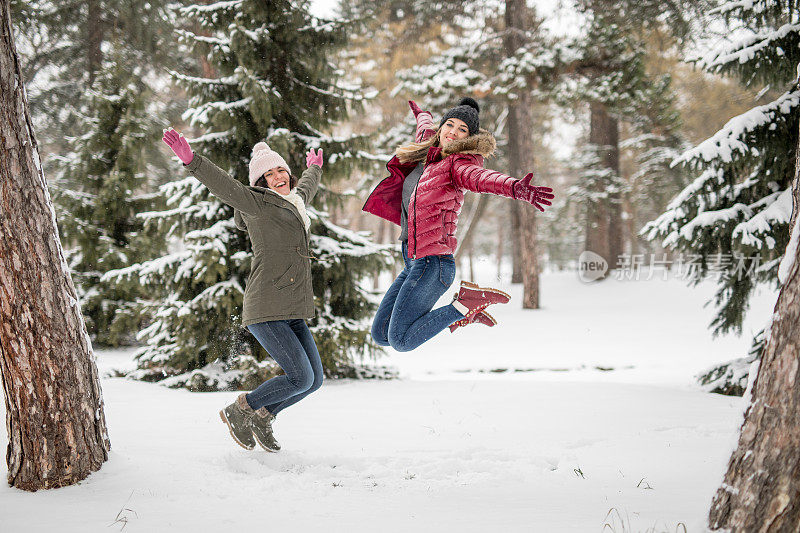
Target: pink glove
x,y
314,159
414,108
536,196
179,145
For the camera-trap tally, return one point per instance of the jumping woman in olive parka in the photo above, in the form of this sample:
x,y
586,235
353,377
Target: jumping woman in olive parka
x,y
278,295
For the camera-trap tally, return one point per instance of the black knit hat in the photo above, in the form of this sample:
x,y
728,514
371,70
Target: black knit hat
x,y
466,110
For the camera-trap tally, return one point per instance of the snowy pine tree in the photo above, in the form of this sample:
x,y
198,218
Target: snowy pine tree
x,y
734,216
65,46
96,114
631,115
274,80
98,189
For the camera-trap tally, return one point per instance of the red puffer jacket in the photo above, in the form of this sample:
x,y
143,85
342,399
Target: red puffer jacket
x,y
434,207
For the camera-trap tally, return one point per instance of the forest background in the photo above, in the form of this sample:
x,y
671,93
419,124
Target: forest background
x,y
634,112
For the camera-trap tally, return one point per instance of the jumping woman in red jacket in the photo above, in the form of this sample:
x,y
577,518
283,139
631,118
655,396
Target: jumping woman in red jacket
x,y
423,195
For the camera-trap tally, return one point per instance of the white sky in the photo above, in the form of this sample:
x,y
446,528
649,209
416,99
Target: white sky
x,y
561,16
325,8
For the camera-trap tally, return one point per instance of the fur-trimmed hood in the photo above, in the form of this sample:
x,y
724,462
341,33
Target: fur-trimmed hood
x,y
482,143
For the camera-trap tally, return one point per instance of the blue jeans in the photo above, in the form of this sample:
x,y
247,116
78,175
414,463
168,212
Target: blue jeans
x,y
290,343
404,319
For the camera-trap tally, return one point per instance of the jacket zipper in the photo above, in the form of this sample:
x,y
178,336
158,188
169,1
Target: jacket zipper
x,y
414,254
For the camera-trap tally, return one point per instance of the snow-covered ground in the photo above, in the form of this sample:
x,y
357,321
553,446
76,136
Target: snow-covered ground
x,y
649,331
557,445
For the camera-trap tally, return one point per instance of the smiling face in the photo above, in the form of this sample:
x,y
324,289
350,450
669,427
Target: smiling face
x,y
279,180
452,130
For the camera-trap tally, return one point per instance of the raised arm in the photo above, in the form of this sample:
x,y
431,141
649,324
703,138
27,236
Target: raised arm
x,y
425,126
308,183
219,182
476,178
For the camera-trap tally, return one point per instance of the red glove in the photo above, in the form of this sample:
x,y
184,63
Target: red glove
x,y
536,196
414,108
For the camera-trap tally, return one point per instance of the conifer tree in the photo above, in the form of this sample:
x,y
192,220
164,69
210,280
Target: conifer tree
x,y
274,81
632,114
98,189
97,116
733,217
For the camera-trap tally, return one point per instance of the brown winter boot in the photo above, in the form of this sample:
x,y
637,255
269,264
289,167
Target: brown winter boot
x,y
472,299
480,318
237,417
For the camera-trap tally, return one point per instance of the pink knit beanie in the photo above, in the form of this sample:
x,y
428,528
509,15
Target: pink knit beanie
x,y
263,159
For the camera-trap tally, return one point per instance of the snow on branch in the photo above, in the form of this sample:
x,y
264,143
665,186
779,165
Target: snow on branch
x,y
742,7
729,140
145,271
778,210
708,219
747,48
212,136
199,115
787,263
450,70
229,81
195,10
675,210
224,44
209,298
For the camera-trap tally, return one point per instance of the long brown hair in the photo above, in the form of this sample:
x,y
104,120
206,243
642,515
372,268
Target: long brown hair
x,y
416,151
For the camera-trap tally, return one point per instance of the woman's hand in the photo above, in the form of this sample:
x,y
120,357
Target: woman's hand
x,y
314,159
179,145
538,197
414,108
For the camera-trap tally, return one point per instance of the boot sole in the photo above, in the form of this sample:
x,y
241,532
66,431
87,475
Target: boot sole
x,y
485,289
494,321
266,448
230,429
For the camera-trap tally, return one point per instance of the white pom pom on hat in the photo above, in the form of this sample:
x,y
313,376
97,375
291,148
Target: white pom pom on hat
x,y
263,159
261,145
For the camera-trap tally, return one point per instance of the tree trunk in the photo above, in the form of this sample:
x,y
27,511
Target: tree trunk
x,y
94,39
520,150
530,259
500,241
630,236
54,408
471,257
604,220
761,490
516,243
475,215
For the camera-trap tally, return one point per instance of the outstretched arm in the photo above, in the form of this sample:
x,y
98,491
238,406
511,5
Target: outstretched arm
x,y
219,182
425,127
476,178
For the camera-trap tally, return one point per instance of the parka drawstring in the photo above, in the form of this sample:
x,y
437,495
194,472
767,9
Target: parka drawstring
x,y
312,256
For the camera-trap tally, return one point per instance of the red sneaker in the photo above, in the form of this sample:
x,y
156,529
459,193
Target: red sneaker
x,y
480,318
475,299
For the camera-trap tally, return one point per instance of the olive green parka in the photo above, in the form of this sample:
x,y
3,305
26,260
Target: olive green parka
x,y
279,284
